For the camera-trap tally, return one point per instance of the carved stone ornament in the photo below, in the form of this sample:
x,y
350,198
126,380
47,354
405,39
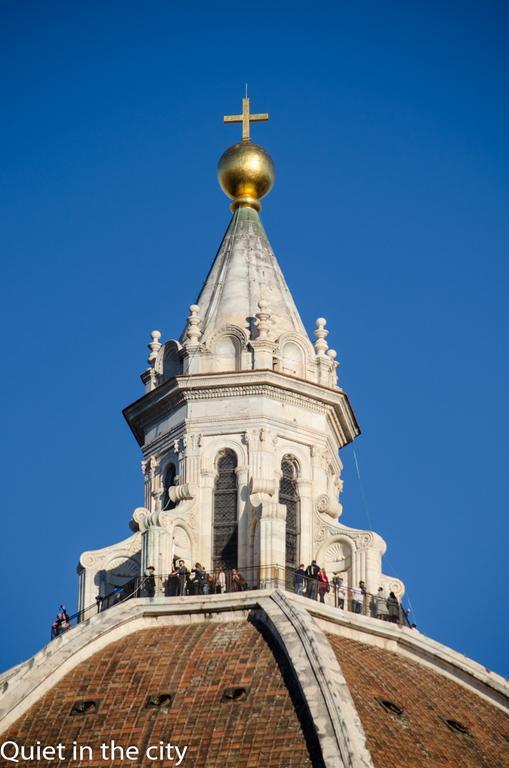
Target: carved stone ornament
x,y
321,533
153,466
364,541
193,331
134,546
154,346
324,531
393,585
95,559
322,502
259,498
89,559
193,441
336,552
125,567
263,486
142,519
263,319
192,518
321,334
183,492
255,514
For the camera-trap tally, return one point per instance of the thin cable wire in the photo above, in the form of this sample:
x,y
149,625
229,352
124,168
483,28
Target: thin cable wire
x,y
371,526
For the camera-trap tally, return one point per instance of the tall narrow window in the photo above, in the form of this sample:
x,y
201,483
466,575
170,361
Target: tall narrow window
x,y
289,496
225,511
169,480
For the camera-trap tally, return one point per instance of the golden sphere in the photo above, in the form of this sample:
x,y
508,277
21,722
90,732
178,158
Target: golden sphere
x,y
246,174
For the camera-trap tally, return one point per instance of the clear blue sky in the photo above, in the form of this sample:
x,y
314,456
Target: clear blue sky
x,y
389,126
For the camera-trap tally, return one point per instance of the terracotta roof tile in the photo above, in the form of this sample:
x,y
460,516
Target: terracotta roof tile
x,y
195,663
420,737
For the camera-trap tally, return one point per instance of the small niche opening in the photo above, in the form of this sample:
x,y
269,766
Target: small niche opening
x,y
89,707
159,701
457,727
237,693
391,706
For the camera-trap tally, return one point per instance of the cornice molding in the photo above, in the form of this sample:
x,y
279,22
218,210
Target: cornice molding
x,y
276,386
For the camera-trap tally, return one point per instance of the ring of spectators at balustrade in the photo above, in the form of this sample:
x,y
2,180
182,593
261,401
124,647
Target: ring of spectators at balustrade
x,y
311,582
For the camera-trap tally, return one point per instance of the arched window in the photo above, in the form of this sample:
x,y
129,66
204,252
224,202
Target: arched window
x,y
225,526
289,496
169,480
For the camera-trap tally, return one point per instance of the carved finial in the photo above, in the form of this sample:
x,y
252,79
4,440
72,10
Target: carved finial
x,y
263,319
332,354
193,326
154,347
321,334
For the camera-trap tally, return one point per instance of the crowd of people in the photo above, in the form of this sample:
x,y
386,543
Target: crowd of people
x,y
195,581
313,582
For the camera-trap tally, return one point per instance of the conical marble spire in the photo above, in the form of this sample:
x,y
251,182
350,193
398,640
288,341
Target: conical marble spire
x,y
244,318
245,272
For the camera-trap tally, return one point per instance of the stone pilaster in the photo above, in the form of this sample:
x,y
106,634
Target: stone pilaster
x,y
243,516
156,543
306,521
272,532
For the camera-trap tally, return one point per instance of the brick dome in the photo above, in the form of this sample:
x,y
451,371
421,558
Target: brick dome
x,y
439,723
203,668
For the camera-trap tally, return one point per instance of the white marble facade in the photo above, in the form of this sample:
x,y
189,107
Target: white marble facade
x,y
243,380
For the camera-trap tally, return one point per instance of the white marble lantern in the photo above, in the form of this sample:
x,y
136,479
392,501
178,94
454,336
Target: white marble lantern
x,y
240,427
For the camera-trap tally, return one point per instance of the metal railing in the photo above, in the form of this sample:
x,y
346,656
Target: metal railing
x,y
195,582
219,581
133,588
334,593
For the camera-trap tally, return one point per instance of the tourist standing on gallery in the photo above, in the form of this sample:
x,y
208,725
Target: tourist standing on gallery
x,y
323,584
358,594
150,582
300,580
381,604
393,608
312,572
181,573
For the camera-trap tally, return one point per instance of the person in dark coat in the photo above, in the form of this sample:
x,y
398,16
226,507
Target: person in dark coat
x,y
172,583
198,579
300,580
239,584
150,581
312,572
393,608
181,573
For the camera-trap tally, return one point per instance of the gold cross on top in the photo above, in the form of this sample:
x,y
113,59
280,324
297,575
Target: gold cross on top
x,y
245,118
